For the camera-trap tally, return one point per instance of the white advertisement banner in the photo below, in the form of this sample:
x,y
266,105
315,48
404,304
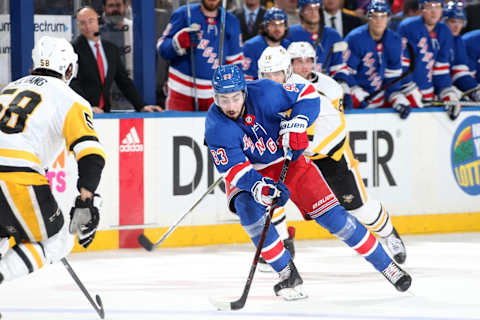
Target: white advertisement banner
x,y
426,164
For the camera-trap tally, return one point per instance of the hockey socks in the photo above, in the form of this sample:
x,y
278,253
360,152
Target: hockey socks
x,y
21,260
252,217
347,228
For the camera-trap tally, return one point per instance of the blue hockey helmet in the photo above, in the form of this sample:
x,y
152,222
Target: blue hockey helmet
x,y
228,78
454,10
303,3
274,13
378,6
422,2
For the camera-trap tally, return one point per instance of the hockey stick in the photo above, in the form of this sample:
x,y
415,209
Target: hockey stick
x,y
240,303
337,47
98,308
222,32
387,85
439,103
149,246
468,92
192,59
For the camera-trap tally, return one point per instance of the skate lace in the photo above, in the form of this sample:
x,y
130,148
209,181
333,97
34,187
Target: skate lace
x,y
393,273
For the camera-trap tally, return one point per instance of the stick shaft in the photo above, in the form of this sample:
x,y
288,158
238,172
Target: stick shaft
x,y
99,308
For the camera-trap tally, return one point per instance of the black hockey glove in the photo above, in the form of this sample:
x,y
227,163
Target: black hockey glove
x,y
84,219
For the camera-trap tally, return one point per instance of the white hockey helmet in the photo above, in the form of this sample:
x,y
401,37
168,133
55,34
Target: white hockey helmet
x,y
301,49
55,54
274,59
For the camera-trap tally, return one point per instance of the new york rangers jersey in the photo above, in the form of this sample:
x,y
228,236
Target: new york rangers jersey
x,y
336,66
372,63
432,53
252,50
472,43
462,76
180,77
241,147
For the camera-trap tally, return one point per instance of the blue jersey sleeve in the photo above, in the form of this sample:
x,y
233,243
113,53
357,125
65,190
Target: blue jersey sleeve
x,y
462,77
303,100
353,57
250,56
441,68
393,56
233,40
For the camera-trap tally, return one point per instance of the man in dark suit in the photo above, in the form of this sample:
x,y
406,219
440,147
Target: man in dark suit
x,y
335,17
99,64
250,16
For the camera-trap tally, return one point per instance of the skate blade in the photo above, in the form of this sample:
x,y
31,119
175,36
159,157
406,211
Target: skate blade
x,y
264,267
291,294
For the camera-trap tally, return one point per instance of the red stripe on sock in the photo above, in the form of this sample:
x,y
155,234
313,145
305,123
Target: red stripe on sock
x,y
368,245
273,253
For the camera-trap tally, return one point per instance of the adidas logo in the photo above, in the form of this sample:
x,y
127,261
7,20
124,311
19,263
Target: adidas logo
x,y
131,143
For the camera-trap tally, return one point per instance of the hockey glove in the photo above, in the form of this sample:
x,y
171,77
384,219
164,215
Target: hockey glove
x,y
358,96
450,94
413,94
266,190
84,219
400,104
293,136
186,38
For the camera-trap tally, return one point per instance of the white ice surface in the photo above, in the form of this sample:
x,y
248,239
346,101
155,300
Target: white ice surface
x,y
177,284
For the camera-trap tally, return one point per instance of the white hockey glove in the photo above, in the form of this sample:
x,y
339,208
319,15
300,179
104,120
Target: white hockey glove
x,y
186,38
293,136
451,94
84,219
266,190
400,104
358,96
413,94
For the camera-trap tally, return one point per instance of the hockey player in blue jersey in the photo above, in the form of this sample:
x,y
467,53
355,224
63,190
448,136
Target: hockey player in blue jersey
x,y
375,58
432,41
199,31
462,77
273,31
472,42
247,133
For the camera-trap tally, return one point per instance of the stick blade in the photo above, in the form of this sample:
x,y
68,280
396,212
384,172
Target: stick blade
x,y
221,305
227,305
145,243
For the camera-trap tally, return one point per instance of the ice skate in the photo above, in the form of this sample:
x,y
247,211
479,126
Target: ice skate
x,y
290,283
396,247
399,278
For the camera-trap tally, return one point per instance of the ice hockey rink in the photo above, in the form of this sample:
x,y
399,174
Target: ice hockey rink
x,y
177,284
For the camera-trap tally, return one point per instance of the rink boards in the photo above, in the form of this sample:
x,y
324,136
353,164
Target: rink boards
x,y
425,170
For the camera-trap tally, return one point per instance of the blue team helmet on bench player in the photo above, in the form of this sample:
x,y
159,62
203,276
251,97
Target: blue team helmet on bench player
x,y
227,79
274,13
378,6
303,3
454,10
422,2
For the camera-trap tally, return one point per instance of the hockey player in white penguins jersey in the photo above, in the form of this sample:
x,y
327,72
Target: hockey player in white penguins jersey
x,y
329,148
40,115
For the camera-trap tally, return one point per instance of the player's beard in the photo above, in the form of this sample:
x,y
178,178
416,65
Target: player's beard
x,y
233,116
275,39
209,6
